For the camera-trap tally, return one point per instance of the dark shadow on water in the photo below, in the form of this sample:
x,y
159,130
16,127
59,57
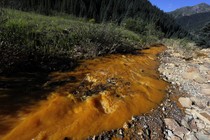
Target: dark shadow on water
x,y
21,90
17,93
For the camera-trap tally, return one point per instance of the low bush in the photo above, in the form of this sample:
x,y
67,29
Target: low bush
x,y
185,47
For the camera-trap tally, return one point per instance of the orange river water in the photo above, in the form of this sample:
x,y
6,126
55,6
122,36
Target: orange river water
x,y
105,93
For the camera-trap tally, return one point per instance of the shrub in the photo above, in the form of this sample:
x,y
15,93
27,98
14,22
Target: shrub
x,y
136,25
185,47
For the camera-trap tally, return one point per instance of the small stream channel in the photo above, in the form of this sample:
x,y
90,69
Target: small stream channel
x,y
99,95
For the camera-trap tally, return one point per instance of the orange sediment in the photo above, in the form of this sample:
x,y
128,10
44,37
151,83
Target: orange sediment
x,y
132,86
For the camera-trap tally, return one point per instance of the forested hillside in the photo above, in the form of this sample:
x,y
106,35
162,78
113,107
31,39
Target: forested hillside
x,y
104,10
194,22
204,36
195,19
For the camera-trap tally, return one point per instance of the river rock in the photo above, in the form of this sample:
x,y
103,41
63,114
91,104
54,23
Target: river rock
x,y
125,126
193,75
200,125
171,65
181,131
169,133
205,92
202,136
190,136
198,102
203,68
205,86
171,124
203,116
177,55
193,125
175,138
185,124
185,102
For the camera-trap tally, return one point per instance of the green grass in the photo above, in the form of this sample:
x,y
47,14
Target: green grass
x,y
30,41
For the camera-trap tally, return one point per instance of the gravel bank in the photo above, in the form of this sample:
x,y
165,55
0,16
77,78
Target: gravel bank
x,y
192,76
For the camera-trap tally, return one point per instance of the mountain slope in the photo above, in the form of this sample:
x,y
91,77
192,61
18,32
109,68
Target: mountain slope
x,y
194,22
105,10
190,10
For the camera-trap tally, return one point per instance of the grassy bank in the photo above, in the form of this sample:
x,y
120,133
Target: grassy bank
x,y
35,42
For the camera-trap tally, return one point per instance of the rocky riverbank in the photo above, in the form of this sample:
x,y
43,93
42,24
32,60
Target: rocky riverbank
x,y
191,74
184,114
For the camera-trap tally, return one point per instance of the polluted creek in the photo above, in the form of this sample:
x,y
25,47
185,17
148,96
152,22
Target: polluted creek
x,y
99,95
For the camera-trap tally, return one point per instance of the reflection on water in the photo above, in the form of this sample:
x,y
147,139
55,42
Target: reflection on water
x,y
99,95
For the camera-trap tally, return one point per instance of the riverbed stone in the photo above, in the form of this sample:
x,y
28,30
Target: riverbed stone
x,y
185,102
198,102
177,55
174,138
202,136
171,124
207,116
185,124
205,92
193,125
169,133
203,68
193,75
202,116
125,126
190,136
200,125
181,131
